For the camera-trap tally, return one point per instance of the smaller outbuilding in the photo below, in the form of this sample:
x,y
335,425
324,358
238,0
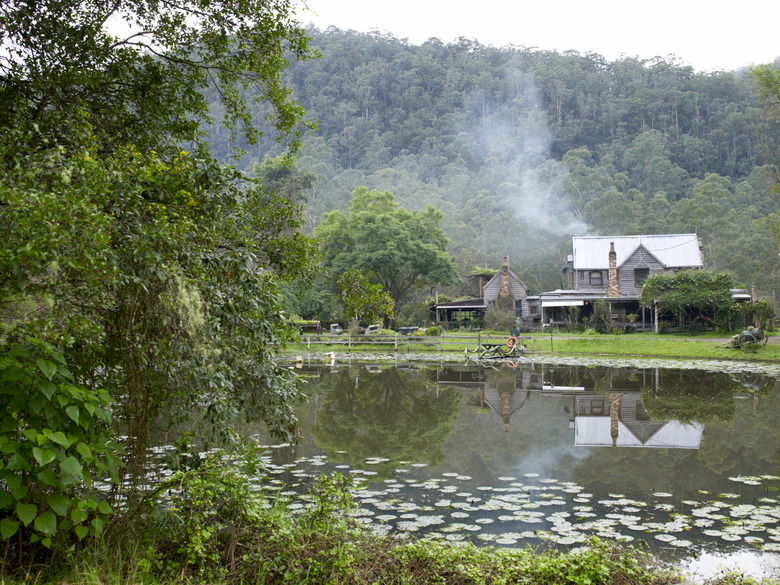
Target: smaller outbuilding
x,y
503,285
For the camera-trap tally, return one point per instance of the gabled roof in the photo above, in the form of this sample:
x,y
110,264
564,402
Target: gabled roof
x,y
497,275
642,263
672,250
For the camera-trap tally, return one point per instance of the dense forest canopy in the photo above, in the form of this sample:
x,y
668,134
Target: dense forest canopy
x,y
523,148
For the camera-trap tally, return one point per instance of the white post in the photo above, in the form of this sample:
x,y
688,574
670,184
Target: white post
x,y
655,304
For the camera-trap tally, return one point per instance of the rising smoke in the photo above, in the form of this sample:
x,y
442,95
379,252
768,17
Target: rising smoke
x,y
516,133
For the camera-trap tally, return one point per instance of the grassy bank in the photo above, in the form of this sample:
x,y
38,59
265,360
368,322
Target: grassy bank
x,y
638,344
652,345
212,527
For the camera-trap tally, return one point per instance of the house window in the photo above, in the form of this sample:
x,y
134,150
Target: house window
x,y
596,278
533,309
518,308
640,276
582,276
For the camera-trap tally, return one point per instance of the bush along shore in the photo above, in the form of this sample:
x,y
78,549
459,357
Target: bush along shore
x,y
213,525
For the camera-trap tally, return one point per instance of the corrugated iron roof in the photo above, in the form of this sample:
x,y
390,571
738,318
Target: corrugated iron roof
x,y
672,250
467,304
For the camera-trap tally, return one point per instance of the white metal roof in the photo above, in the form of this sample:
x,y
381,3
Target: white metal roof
x,y
594,431
562,303
672,250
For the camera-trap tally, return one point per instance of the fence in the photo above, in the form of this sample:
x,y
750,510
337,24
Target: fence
x,y
408,342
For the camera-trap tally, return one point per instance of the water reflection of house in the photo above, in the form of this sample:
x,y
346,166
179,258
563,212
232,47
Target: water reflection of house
x,y
505,395
615,419
618,420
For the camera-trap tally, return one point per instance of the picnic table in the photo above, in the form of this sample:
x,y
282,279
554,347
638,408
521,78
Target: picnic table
x,y
491,347
488,349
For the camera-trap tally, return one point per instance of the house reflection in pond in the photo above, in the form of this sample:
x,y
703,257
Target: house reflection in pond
x,y
504,404
602,421
613,419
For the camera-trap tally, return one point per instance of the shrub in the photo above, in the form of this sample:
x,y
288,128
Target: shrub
x,y
55,442
499,319
212,525
602,321
198,519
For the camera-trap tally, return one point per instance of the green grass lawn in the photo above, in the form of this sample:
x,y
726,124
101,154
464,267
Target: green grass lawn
x,y
706,346
646,345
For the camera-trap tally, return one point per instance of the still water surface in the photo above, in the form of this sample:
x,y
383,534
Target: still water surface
x,y
685,462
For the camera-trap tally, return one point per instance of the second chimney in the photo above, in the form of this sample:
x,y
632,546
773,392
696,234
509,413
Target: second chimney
x,y
613,290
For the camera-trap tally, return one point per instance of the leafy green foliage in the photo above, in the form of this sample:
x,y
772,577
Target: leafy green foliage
x,y
211,524
596,564
403,250
363,300
159,278
55,442
761,310
148,82
690,292
156,271
204,512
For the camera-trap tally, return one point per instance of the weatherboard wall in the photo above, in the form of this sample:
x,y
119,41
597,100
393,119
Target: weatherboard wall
x,y
517,289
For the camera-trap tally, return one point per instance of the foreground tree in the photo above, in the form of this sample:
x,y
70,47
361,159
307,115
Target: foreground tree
x,y
132,271
157,283
61,56
403,250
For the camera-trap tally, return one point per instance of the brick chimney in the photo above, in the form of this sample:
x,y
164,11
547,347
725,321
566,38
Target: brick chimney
x,y
615,402
504,279
613,290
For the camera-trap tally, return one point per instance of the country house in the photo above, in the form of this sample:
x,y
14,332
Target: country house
x,y
612,268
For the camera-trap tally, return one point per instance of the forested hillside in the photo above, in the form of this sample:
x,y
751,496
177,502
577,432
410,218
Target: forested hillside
x,y
523,148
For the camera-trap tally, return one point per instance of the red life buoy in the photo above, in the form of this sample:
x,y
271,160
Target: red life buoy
x,y
511,343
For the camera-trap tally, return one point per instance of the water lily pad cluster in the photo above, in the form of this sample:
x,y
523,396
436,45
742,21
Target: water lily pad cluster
x,y
530,509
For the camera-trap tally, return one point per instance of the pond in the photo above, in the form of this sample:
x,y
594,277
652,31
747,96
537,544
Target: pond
x,y
683,461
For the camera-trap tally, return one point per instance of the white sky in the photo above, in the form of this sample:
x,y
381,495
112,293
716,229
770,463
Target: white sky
x,y
709,36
